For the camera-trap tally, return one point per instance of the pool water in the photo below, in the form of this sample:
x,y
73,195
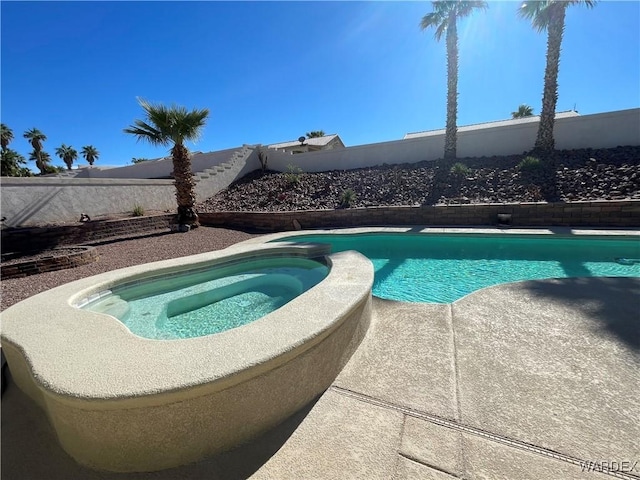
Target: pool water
x,y
444,268
207,301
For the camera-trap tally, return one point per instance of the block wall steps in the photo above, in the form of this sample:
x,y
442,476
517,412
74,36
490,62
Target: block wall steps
x,y
215,178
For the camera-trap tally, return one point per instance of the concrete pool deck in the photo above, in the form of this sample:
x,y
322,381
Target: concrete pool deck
x,y
517,381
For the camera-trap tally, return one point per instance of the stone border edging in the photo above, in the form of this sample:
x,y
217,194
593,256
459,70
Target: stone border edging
x,y
602,213
85,256
47,237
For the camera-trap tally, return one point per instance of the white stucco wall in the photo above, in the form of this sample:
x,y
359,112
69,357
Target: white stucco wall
x,y
160,168
33,201
38,201
601,130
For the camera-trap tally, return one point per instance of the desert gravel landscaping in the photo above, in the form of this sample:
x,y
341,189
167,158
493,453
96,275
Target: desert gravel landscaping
x,y
571,175
124,254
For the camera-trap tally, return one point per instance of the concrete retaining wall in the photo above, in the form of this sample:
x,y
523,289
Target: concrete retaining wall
x,y
82,256
592,214
41,238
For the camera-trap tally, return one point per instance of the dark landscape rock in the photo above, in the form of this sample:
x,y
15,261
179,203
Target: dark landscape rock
x,y
573,175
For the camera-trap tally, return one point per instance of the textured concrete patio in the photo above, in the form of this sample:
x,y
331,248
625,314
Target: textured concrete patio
x,y
519,381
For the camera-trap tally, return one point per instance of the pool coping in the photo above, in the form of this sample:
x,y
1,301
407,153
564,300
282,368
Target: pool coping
x,y
469,230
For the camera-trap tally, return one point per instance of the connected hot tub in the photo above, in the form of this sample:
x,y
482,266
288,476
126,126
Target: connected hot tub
x,y
207,300
119,401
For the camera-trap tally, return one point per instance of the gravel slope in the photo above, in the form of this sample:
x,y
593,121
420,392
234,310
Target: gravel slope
x,y
570,175
124,254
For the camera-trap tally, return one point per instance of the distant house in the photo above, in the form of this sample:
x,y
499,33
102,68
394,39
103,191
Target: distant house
x,y
328,142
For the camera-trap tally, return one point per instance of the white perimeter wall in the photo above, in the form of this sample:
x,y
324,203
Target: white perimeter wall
x,y
36,201
602,130
161,168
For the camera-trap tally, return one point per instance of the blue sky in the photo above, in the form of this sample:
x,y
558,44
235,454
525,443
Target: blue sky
x,y
271,71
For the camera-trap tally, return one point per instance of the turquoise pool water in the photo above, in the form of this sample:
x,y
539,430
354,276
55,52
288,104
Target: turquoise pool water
x,y
207,301
443,268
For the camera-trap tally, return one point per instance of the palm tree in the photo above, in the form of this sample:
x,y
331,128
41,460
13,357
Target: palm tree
x,y
6,136
315,134
523,111
42,160
173,126
90,154
444,18
68,154
549,15
11,165
36,137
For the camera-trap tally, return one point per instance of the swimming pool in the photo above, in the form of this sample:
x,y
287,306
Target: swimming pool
x,y
437,268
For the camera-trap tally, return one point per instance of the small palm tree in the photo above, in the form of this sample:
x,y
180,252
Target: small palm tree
x,y
549,15
173,126
36,137
11,164
6,136
68,154
42,160
90,154
315,134
523,111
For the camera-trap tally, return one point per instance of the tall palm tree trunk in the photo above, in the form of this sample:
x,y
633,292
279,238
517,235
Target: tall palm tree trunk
x,y
451,132
544,140
185,185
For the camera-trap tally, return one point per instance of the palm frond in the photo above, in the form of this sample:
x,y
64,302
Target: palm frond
x,y
447,11
35,137
435,20
6,132
143,131
165,125
188,125
45,157
540,12
90,150
466,8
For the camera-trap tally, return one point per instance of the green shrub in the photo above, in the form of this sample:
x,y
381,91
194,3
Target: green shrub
x,y
138,211
347,198
293,174
460,169
529,164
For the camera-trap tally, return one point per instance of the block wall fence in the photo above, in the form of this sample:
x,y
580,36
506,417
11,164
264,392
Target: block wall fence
x,y
40,201
602,130
33,201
